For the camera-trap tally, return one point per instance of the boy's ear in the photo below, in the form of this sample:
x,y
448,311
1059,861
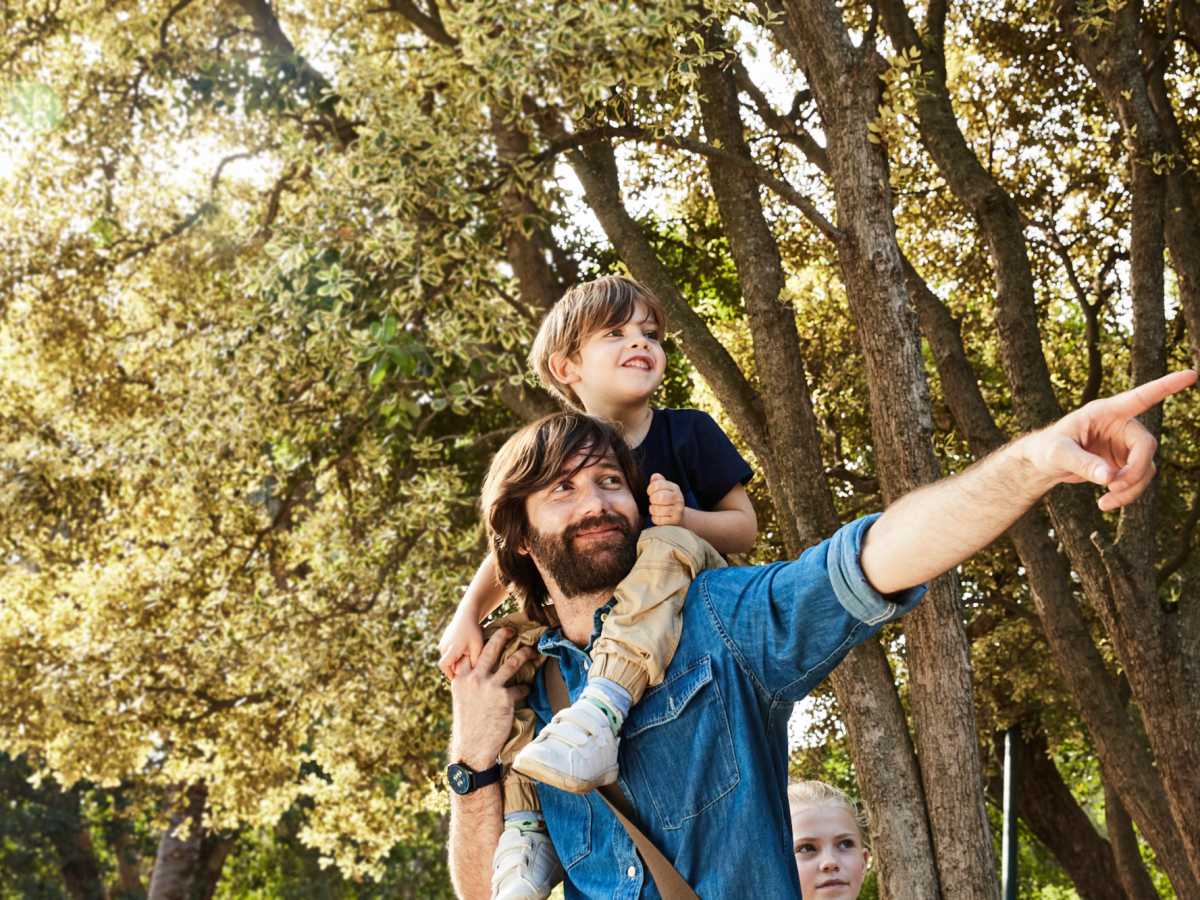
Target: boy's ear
x,y
563,368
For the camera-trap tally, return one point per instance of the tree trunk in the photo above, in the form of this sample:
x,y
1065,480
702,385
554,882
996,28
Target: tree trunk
x,y
1146,639
845,84
1051,813
879,739
1130,870
887,773
177,864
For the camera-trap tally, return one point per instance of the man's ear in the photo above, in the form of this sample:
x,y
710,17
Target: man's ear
x,y
563,368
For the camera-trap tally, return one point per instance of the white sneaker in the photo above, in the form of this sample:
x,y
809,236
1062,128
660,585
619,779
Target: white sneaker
x,y
576,752
525,866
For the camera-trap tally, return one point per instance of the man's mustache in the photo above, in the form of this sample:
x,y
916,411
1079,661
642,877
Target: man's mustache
x,y
601,520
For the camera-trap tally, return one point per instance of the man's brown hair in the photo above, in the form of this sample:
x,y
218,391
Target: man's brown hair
x,y
602,303
534,458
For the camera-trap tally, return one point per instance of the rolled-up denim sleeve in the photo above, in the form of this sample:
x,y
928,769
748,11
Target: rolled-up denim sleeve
x,y
790,623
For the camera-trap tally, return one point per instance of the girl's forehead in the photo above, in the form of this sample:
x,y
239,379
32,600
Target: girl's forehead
x,y
818,821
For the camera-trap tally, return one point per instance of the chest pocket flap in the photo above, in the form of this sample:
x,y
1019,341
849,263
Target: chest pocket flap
x,y
667,700
677,750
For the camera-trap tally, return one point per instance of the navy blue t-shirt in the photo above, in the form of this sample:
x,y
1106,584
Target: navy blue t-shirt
x,y
687,447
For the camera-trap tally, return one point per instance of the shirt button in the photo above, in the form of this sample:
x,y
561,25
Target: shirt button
x,y
631,871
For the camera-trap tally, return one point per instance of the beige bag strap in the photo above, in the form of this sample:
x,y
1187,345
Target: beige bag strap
x,y
666,878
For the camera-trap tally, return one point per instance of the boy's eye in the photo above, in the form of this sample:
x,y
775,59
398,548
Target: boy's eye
x,y
652,334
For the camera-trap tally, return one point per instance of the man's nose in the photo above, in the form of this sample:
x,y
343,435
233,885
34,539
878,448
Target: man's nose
x,y
592,500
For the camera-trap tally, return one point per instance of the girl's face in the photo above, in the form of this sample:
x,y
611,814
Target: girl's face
x,y
830,856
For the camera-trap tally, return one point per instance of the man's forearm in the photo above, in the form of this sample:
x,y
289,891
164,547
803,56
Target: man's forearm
x,y
475,824
934,528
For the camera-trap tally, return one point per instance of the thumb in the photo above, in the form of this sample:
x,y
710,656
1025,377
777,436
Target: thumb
x,y
655,477
1072,458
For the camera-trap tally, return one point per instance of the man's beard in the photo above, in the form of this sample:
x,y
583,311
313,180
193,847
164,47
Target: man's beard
x,y
599,568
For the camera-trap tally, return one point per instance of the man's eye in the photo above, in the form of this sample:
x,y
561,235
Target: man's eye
x,y
612,481
560,487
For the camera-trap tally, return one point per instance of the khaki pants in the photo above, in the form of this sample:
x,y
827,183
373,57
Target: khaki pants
x,y
637,641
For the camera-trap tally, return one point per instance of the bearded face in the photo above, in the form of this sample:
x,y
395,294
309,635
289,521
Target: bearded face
x,y
588,556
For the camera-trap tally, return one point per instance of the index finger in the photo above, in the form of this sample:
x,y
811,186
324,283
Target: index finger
x,y
1136,401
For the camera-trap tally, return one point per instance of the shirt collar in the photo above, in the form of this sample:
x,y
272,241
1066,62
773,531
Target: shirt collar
x,y
554,643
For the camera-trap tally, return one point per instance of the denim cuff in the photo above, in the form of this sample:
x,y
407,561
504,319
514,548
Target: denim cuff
x,y
853,591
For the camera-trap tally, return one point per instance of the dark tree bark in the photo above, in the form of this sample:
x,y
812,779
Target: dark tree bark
x,y
792,437
1135,880
1120,743
1146,637
844,81
1046,806
879,739
62,826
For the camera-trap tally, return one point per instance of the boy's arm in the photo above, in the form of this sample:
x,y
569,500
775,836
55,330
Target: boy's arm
x,y
463,636
731,526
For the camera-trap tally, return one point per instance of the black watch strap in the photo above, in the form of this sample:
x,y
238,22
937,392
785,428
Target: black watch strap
x,y
463,779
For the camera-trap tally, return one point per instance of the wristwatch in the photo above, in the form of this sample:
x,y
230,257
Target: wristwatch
x,y
463,779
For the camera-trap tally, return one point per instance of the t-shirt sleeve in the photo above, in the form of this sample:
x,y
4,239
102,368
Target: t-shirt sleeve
x,y
789,624
715,464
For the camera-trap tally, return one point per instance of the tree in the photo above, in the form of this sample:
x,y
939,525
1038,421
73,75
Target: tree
x,y
246,405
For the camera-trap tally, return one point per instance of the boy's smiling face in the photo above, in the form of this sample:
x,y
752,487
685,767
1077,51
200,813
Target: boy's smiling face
x,y
618,365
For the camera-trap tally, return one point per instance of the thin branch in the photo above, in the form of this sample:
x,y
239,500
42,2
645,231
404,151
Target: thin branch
x,y
175,10
428,24
765,178
1186,543
783,125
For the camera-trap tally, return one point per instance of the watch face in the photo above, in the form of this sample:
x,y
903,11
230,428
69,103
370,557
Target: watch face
x,y
459,777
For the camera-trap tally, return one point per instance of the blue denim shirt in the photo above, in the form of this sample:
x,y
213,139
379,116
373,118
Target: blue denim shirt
x,y
704,755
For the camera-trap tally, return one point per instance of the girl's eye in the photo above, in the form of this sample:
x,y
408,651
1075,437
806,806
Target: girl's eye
x,y
847,844
805,848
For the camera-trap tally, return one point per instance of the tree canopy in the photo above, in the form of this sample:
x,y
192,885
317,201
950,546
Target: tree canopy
x,y
271,273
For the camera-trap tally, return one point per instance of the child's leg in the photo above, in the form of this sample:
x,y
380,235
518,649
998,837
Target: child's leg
x,y
642,629
578,750
525,864
519,794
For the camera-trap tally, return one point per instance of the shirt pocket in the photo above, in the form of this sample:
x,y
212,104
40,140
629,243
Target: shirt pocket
x,y
569,822
677,747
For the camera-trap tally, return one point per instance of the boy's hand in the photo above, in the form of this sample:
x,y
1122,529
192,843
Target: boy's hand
x,y
462,639
666,501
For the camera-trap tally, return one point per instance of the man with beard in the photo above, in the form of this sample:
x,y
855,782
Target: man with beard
x,y
704,754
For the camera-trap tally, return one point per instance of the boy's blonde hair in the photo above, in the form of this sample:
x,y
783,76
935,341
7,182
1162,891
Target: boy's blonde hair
x,y
806,794
604,302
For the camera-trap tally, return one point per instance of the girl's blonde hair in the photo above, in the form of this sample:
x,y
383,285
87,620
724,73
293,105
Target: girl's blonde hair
x,y
806,794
